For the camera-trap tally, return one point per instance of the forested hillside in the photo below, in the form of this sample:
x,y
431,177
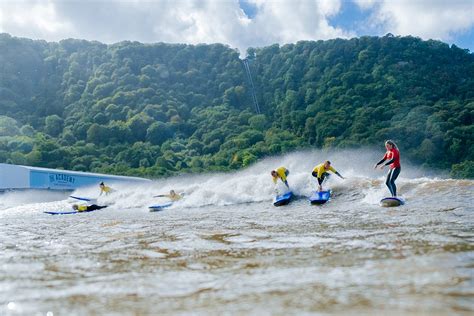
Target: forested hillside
x,y
158,109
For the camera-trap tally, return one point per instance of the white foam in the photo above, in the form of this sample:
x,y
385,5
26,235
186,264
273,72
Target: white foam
x,y
253,184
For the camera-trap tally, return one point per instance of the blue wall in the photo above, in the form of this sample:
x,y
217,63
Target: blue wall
x,y
66,181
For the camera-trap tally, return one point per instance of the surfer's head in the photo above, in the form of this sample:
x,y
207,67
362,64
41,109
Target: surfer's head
x,y
102,184
274,174
389,144
327,164
172,193
75,207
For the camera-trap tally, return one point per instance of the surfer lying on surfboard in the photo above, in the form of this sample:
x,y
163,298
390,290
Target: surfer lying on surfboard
x,y
173,196
83,208
321,172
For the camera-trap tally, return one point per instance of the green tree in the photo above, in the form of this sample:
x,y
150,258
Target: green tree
x,y
158,133
53,125
8,126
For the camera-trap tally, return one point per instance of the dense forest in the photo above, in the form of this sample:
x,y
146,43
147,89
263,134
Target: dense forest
x,y
159,109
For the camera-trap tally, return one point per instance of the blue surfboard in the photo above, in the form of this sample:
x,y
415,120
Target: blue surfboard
x,y
91,208
159,207
80,198
391,202
283,199
320,197
67,212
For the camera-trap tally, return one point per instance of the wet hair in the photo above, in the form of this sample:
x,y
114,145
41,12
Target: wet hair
x,y
102,183
328,162
75,206
273,172
391,142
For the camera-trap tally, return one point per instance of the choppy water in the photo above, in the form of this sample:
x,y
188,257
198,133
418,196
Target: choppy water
x,y
225,249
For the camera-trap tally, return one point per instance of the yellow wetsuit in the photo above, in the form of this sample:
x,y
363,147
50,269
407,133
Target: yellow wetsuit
x,y
81,208
282,173
105,189
320,170
175,197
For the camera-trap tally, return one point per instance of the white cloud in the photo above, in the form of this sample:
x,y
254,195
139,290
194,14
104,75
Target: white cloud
x,y
223,21
35,18
191,21
290,21
437,19
365,4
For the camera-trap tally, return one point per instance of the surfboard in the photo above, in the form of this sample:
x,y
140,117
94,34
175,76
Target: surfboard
x,y
320,197
92,208
67,212
391,202
283,199
80,198
159,207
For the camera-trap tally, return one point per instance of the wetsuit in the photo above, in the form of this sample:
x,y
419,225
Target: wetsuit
x,y
282,173
93,207
393,157
172,197
321,173
105,189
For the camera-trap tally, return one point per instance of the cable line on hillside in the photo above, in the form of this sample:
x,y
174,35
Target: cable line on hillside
x,y
252,87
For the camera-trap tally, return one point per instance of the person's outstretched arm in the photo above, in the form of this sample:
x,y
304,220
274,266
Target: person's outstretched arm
x,y
380,162
390,161
340,176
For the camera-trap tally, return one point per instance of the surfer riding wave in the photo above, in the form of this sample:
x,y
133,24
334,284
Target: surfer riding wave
x,y
393,157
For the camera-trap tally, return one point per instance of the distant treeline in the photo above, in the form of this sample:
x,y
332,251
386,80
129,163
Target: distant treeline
x,y
159,109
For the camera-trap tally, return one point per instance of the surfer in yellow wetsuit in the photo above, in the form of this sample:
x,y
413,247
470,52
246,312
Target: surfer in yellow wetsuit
x,y
173,196
83,208
321,172
280,173
105,189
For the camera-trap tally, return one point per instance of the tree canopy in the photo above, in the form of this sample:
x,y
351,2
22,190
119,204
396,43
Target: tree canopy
x,y
159,109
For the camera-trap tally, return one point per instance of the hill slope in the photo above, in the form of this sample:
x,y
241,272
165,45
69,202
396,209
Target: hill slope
x,y
157,109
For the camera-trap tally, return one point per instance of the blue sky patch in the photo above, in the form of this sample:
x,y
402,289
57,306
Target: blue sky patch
x,y
352,18
249,9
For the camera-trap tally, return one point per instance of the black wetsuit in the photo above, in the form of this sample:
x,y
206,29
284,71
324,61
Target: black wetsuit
x,y
323,177
94,207
392,175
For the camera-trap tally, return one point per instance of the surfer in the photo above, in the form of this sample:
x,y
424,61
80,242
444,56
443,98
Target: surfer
x,y
321,172
280,173
105,189
393,157
82,208
173,196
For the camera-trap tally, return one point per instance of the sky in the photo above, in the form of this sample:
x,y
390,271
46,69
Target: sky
x,y
237,23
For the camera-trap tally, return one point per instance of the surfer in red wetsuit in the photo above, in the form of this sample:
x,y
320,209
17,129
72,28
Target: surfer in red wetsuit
x,y
393,157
